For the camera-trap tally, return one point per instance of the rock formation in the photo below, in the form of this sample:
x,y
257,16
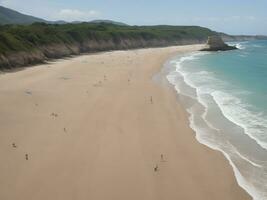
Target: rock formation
x,y
215,43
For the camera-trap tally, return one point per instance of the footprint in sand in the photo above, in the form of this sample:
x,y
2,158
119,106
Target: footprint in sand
x,y
14,145
64,78
65,130
28,92
151,100
99,84
156,168
54,115
26,156
162,158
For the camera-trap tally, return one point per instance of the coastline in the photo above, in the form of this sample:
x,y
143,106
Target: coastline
x,y
220,110
107,138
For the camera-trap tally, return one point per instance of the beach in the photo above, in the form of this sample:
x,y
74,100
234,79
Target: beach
x,y
100,127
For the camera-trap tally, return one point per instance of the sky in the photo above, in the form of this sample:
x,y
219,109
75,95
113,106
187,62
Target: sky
x,y
229,16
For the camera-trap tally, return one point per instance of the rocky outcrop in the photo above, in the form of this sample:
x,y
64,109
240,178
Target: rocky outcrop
x,y
215,43
55,51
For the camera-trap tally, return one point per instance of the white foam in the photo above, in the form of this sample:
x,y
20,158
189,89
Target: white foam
x,y
240,46
171,77
257,195
205,83
254,125
253,192
245,158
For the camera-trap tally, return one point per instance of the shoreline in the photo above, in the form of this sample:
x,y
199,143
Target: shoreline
x,y
183,99
216,113
107,138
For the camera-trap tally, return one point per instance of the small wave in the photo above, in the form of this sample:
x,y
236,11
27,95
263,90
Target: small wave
x,y
257,46
206,73
172,78
240,179
240,46
232,107
256,195
191,56
204,82
254,124
245,158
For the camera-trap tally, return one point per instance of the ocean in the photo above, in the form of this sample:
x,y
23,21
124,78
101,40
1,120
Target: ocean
x,y
225,94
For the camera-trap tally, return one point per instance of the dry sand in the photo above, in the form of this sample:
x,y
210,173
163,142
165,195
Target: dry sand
x,y
96,127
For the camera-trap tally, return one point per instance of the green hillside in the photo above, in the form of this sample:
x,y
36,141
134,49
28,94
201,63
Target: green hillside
x,y
8,16
99,21
29,37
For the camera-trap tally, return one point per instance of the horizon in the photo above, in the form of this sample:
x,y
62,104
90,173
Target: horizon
x,y
237,18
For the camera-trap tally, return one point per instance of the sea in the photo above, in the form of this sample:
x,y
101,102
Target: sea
x,y
225,94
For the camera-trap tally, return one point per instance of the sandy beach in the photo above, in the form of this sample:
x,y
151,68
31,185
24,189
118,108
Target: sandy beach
x,y
98,127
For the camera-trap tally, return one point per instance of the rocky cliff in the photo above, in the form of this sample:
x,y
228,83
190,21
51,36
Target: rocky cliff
x,y
215,43
44,53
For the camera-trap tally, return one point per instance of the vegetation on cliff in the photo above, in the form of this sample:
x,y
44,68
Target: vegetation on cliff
x,y
22,45
26,38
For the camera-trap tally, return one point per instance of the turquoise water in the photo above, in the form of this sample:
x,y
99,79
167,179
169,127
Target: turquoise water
x,y
226,96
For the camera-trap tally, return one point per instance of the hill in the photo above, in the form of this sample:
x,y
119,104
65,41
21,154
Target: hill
x,y
99,21
32,40
8,16
22,45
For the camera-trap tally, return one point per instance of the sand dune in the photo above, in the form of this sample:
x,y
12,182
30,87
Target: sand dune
x,y
97,127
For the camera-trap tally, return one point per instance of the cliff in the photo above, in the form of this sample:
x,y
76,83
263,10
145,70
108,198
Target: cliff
x,y
215,43
45,53
26,45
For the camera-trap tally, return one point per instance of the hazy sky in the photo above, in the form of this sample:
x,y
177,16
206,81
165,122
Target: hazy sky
x,y
230,16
